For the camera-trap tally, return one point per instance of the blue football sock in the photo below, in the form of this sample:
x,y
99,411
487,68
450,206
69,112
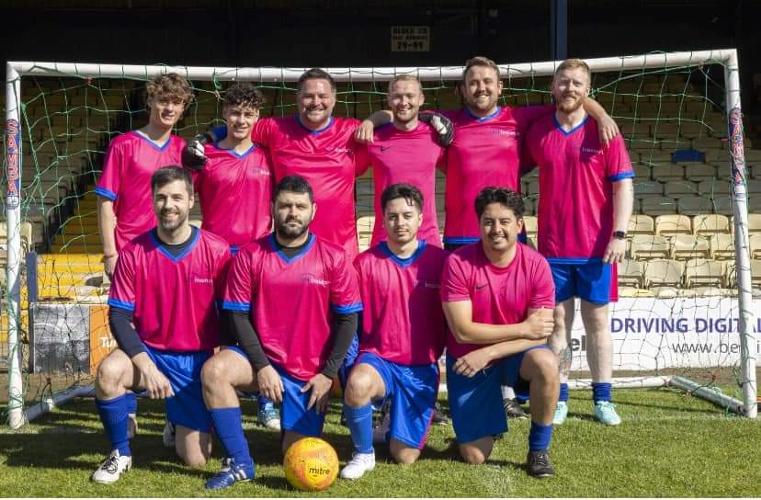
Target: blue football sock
x,y
229,429
113,414
360,422
131,403
602,391
563,392
539,437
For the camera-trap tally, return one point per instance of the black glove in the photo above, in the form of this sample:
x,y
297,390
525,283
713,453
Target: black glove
x,y
441,124
193,156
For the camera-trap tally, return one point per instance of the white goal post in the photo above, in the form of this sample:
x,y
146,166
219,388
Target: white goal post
x,y
14,144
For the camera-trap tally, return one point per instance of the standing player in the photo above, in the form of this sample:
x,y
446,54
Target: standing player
x,y
124,191
124,188
584,211
403,334
166,284
406,151
292,300
235,189
497,294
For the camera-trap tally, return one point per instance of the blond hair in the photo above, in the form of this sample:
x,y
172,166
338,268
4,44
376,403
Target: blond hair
x,y
574,64
405,78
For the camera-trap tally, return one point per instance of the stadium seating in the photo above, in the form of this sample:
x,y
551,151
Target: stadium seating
x,y
687,246
640,224
645,246
631,273
722,246
663,272
703,272
707,224
671,224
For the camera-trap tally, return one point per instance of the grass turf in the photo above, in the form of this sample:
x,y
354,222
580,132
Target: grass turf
x,y
670,444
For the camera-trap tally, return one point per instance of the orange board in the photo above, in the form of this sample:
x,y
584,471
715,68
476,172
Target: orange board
x,y
101,341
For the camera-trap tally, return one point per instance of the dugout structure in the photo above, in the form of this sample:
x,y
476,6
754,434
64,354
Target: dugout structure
x,y
60,116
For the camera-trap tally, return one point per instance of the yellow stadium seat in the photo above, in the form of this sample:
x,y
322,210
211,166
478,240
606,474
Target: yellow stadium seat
x,y
530,222
640,224
755,246
754,223
645,246
663,272
722,246
630,273
707,224
704,272
687,246
671,224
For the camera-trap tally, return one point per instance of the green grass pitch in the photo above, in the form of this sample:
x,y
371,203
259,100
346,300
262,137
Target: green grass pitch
x,y
670,444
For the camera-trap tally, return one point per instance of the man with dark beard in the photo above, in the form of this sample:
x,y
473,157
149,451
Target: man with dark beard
x,y
292,301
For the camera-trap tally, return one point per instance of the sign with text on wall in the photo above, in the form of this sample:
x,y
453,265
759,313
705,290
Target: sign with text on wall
x,y
410,39
650,334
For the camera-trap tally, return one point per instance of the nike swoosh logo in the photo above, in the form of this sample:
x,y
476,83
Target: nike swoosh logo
x,y
481,287
385,148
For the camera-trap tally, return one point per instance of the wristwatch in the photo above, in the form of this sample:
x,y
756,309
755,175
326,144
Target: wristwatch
x,y
619,235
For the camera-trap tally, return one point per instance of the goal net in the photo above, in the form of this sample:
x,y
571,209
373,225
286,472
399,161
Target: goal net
x,y
685,307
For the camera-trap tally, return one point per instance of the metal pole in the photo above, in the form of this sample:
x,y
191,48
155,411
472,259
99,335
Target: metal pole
x,y
13,218
558,29
742,246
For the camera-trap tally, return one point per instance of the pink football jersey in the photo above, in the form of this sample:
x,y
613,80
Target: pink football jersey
x,y
325,158
500,296
235,192
411,157
576,176
173,299
403,321
290,300
485,152
130,162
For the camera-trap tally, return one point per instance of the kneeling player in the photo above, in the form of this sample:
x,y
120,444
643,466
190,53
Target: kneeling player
x,y
403,335
166,284
292,300
498,297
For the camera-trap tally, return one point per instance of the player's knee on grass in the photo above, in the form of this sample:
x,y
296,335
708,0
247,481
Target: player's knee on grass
x,y
193,447
112,375
402,453
477,452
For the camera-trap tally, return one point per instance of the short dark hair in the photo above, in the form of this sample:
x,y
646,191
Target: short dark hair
x,y
407,191
293,184
316,74
244,94
171,173
504,196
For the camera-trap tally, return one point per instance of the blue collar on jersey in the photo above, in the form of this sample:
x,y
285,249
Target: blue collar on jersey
x,y
331,121
234,153
483,118
574,129
290,260
157,147
404,262
195,234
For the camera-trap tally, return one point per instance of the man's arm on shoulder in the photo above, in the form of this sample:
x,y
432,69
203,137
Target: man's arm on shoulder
x,y
607,127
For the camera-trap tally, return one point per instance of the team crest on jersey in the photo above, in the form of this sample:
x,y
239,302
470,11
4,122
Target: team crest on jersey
x,y
339,149
590,151
315,280
259,170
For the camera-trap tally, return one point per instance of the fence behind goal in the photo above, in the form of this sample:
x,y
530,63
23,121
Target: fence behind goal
x,y
686,292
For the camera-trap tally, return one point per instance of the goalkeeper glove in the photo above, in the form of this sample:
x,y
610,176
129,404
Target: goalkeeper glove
x,y
193,156
441,124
